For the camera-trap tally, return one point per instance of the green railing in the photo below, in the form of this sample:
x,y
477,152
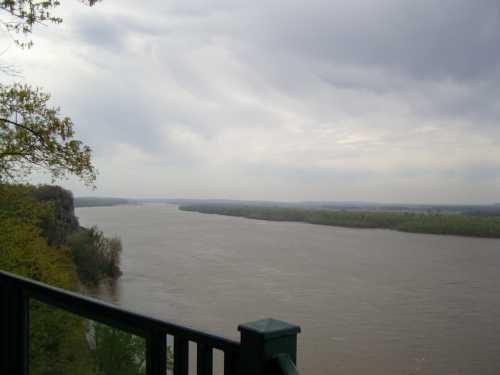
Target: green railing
x,y
266,347
285,365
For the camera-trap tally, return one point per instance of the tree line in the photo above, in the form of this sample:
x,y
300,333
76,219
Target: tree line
x,y
432,223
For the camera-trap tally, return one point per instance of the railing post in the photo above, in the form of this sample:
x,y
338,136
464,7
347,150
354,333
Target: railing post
x,y
262,341
4,329
14,331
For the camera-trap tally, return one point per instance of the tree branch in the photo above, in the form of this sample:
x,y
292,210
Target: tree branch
x,y
22,127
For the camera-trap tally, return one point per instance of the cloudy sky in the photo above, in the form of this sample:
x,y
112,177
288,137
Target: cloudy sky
x,y
381,100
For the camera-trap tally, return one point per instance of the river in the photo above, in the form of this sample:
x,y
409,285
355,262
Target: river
x,y
374,302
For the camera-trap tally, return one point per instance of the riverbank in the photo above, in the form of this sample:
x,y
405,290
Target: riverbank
x,y
430,223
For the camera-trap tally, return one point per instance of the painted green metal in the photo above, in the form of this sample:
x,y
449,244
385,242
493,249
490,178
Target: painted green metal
x,y
117,317
267,346
4,328
230,364
16,330
204,359
262,341
181,356
285,365
156,351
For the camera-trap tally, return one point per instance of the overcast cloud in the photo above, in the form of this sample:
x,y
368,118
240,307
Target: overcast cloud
x,y
382,100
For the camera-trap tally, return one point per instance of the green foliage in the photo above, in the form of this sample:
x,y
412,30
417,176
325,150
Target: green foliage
x,y
451,224
95,256
24,14
120,353
33,218
117,352
54,337
33,134
18,206
63,221
57,342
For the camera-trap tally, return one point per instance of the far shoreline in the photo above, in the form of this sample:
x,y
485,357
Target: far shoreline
x,y
419,223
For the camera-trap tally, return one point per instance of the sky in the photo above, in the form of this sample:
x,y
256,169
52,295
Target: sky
x,y
366,100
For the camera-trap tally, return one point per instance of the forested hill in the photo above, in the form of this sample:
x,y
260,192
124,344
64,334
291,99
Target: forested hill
x,y
41,239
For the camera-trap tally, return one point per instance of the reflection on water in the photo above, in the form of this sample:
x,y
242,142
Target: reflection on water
x,y
369,301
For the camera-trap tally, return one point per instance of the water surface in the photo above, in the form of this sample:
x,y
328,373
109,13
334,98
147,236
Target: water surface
x,y
371,302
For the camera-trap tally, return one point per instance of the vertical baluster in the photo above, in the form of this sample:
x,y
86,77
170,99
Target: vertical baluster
x,y
181,356
204,359
230,363
156,353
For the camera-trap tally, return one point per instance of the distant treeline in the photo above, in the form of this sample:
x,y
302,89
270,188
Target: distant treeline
x,y
99,202
432,223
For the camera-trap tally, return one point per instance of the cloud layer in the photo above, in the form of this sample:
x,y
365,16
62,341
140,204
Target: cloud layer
x,y
367,100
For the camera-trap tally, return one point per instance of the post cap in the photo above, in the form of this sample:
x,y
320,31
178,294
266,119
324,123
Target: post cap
x,y
269,328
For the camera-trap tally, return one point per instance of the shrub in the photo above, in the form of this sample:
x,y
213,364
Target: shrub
x,y
95,256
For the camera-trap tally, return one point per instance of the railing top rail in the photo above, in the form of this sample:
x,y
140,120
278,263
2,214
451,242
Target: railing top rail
x,y
109,314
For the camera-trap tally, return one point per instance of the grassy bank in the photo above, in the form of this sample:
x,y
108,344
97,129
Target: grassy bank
x,y
446,224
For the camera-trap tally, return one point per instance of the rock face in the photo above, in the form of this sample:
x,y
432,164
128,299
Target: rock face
x,y
64,222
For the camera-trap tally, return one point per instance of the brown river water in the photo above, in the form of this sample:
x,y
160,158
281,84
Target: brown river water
x,y
369,301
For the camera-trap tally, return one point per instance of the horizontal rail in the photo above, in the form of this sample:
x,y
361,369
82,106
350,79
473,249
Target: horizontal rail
x,y
128,321
264,343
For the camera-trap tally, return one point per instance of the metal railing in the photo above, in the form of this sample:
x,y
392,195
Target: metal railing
x,y
262,343
285,365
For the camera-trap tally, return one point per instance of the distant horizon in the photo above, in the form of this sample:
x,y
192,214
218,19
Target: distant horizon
x,y
312,201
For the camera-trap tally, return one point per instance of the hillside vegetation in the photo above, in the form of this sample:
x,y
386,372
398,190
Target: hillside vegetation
x,y
432,223
57,339
41,239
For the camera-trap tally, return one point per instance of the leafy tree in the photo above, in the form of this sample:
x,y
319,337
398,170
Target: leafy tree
x,y
95,256
24,14
33,134
120,353
57,339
